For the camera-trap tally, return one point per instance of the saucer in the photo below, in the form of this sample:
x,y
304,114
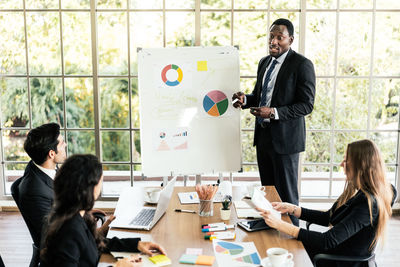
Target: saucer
x,y
266,263
147,200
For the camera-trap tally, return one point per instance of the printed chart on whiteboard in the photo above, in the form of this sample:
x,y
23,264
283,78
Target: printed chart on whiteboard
x,y
187,122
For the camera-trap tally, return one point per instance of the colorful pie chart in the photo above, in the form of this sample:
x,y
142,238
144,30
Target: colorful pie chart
x,y
215,103
251,258
228,248
164,75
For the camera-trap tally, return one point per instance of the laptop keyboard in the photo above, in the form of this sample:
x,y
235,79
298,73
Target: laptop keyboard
x,y
144,217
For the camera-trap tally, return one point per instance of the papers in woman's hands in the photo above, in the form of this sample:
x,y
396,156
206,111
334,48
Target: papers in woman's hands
x,y
261,202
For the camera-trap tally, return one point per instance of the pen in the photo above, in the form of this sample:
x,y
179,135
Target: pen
x,y
189,211
212,225
234,101
217,228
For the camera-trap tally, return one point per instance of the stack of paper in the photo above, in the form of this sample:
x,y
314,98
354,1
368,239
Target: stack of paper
x,y
259,200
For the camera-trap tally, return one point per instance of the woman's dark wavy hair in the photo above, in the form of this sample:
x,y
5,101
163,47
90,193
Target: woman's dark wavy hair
x,y
73,191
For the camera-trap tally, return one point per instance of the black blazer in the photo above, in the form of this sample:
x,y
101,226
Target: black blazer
x,y
351,234
76,246
33,194
293,97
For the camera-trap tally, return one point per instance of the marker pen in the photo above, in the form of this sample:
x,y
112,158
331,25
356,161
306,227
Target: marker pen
x,y
220,235
189,211
218,228
210,225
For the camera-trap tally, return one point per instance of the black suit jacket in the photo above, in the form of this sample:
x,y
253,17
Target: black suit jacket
x,y
34,198
352,232
293,97
75,245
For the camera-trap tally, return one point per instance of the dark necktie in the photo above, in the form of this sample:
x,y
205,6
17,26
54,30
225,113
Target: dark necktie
x,y
264,91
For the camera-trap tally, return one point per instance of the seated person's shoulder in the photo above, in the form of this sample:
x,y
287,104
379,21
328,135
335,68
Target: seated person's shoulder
x,y
74,229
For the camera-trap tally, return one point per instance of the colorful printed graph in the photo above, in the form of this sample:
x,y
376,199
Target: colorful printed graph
x,y
182,146
163,146
215,103
228,248
164,75
184,133
252,258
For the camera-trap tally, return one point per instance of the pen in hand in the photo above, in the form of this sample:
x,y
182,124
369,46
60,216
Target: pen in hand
x,y
189,211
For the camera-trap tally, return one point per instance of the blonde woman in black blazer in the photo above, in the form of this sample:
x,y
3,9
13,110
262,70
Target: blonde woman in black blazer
x,y
70,238
357,219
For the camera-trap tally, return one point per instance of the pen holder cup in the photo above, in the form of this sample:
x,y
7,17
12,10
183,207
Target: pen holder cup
x,y
206,208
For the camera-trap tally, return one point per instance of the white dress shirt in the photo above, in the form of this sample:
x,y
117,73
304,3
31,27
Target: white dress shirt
x,y
51,173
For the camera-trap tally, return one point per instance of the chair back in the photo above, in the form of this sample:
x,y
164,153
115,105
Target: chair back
x,y
394,194
35,250
1,262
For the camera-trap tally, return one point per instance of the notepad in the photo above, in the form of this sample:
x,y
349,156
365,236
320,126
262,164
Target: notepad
x,y
197,259
160,260
244,210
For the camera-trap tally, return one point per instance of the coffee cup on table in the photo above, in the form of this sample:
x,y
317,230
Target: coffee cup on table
x,y
153,194
278,257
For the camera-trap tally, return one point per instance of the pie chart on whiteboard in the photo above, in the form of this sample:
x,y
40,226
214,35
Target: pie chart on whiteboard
x,y
215,103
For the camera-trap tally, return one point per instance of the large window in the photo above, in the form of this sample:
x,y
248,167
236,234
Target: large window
x,y
75,63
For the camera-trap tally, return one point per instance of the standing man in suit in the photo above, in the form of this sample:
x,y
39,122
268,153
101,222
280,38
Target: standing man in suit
x,y
283,95
46,148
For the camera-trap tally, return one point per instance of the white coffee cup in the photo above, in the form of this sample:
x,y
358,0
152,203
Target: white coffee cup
x,y
278,256
153,194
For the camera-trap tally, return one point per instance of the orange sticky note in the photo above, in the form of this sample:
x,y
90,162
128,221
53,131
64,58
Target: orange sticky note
x,y
205,260
201,65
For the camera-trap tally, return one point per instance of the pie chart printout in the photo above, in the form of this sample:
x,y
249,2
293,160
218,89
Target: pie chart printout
x,y
215,103
228,248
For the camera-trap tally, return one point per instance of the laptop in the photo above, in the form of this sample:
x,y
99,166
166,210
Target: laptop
x,y
139,217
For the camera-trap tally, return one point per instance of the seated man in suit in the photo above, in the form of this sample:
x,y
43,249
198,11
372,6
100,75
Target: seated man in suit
x,y
46,148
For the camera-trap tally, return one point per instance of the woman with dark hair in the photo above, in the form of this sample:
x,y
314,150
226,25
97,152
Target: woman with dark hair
x,y
70,238
357,219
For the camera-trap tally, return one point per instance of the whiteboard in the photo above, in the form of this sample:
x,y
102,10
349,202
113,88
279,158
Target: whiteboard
x,y
187,122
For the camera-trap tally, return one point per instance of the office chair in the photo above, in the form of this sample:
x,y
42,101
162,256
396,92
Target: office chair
x,y
35,250
343,258
1,262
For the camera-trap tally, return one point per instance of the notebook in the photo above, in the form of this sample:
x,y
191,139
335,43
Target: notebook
x,y
144,218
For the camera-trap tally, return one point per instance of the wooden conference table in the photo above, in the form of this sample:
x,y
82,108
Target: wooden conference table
x,y
176,231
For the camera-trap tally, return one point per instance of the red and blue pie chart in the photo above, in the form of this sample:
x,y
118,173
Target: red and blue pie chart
x,y
215,103
164,75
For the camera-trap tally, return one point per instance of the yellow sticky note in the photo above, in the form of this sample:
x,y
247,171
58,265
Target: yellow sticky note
x,y
201,65
160,260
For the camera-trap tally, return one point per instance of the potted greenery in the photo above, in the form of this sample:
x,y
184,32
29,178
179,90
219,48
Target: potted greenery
x,y
225,210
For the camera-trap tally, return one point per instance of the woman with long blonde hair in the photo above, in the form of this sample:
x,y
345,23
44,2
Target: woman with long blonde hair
x,y
357,219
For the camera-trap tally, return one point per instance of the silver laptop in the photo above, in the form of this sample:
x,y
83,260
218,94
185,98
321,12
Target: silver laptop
x,y
143,218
